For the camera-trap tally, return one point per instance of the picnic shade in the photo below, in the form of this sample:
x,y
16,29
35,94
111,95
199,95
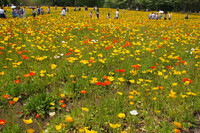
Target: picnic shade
x,y
161,11
13,7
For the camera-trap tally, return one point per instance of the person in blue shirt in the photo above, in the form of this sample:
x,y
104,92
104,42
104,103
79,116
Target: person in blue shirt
x,y
38,10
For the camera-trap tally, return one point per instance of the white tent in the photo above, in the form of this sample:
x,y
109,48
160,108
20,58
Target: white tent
x,y
13,7
161,11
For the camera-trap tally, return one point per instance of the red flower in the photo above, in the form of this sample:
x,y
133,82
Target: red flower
x,y
37,116
61,101
182,62
2,122
185,79
83,91
32,73
17,81
103,84
25,57
190,81
153,67
6,96
107,82
98,83
179,58
63,105
105,77
122,70
169,67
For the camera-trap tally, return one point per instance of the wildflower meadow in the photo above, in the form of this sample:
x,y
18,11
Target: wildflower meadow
x,y
77,74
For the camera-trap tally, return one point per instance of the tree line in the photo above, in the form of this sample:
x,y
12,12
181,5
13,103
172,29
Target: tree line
x,y
167,5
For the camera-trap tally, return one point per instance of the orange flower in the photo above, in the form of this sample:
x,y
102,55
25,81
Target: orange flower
x,y
26,75
83,91
63,105
2,122
107,82
61,101
17,81
177,131
6,96
32,73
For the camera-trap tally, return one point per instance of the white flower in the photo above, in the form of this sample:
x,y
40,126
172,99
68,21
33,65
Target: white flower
x,y
51,114
193,49
191,53
61,54
133,112
63,41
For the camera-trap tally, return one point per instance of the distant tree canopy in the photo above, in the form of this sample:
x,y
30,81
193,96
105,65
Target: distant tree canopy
x,y
168,5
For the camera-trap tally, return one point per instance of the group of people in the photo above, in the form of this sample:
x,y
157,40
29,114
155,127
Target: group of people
x,y
40,11
18,12
157,16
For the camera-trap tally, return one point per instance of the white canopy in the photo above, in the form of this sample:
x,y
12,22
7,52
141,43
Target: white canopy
x,y
161,11
13,7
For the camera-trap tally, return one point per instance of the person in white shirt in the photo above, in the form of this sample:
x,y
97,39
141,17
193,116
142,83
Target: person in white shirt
x,y
170,15
117,14
24,12
2,13
63,12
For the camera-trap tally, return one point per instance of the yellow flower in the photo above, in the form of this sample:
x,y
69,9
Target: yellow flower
x,y
30,130
174,84
2,73
121,79
131,103
29,121
53,66
155,88
177,124
15,99
58,127
71,76
119,93
154,98
130,97
184,96
69,119
110,78
85,109
132,81
114,125
160,73
62,95
121,115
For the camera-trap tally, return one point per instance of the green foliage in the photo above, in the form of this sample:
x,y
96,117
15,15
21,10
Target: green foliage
x,y
12,128
40,103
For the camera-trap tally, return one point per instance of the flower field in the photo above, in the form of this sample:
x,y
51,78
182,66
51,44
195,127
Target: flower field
x,y
81,74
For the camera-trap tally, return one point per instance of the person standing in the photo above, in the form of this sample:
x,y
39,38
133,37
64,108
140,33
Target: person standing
x,y
97,13
20,13
38,10
2,13
34,12
150,15
48,10
108,16
42,11
165,16
24,12
117,14
63,12
13,13
91,14
187,16
170,15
